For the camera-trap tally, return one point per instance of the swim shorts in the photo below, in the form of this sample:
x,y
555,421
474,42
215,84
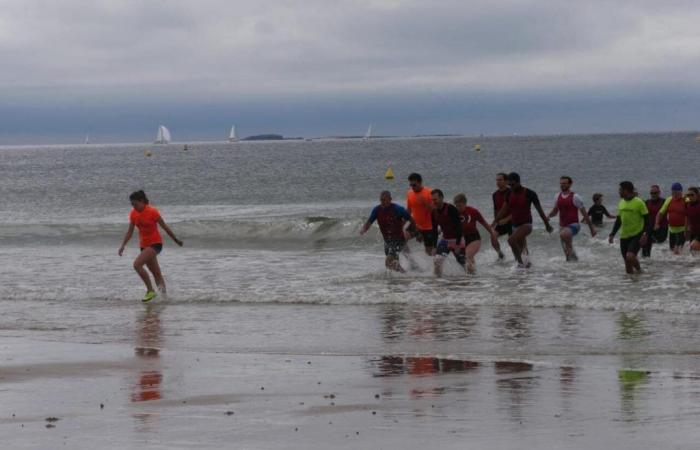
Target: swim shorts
x,y
393,247
157,247
630,245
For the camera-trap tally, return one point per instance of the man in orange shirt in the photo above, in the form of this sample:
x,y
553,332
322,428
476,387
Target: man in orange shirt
x,y
419,204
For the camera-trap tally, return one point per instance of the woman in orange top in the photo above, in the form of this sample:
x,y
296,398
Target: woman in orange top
x,y
147,218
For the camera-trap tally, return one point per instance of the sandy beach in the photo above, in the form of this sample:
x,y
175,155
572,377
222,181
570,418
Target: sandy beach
x,y
620,381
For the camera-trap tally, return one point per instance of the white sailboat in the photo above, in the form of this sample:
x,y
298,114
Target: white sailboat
x,y
368,135
232,136
87,139
163,136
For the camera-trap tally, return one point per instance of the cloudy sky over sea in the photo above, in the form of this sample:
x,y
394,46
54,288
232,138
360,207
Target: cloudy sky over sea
x,y
116,69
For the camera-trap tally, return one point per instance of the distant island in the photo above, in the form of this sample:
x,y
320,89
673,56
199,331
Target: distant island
x,y
265,137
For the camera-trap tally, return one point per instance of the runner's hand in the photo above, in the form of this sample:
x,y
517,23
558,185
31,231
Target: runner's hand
x,y
121,251
548,227
611,239
594,232
643,240
179,242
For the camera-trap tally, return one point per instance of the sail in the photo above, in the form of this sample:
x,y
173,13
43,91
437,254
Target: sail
x,y
163,136
87,139
369,132
233,137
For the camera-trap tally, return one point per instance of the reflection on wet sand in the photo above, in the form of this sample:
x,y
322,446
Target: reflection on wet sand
x,y
147,350
512,323
632,378
421,366
632,326
437,322
632,384
515,390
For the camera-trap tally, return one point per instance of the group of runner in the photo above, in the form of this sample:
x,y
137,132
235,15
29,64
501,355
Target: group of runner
x,y
446,228
451,228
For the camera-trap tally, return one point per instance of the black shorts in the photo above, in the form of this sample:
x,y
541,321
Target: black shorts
x,y
630,245
506,228
471,237
659,235
443,249
676,239
157,247
429,237
393,247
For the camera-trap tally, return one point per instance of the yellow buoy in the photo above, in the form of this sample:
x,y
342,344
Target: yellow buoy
x,y
389,175
477,148
147,153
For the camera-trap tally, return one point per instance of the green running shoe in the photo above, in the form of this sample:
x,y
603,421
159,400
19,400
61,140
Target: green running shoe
x,y
150,295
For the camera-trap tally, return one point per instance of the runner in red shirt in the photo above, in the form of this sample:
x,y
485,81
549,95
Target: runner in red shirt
x,y
446,220
147,218
518,205
568,205
692,212
471,239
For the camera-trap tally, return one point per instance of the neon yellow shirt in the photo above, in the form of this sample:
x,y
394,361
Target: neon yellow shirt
x,y
631,213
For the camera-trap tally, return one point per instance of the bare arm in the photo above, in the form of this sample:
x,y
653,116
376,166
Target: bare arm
x,y
502,214
609,216
365,227
554,211
486,226
587,221
544,217
167,229
127,237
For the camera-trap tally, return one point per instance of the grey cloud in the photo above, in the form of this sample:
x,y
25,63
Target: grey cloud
x,y
219,47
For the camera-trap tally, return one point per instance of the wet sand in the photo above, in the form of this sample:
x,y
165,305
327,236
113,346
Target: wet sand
x,y
166,390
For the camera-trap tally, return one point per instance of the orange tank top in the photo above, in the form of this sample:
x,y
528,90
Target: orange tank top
x,y
421,206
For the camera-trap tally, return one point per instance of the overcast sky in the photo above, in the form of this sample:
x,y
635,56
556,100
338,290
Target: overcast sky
x,y
116,69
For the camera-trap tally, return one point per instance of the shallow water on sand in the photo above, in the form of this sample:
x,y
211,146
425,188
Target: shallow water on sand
x,y
320,376
273,276
278,222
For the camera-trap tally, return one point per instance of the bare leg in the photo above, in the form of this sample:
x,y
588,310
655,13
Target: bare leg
x,y
470,252
518,243
497,246
154,267
144,257
632,263
392,263
438,260
412,265
694,247
566,237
